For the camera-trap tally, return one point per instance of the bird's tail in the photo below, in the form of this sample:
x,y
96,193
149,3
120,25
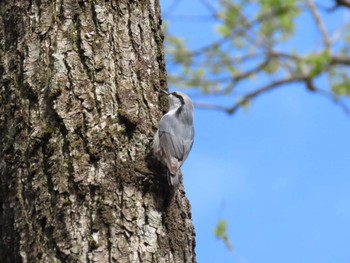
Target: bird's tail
x,y
173,179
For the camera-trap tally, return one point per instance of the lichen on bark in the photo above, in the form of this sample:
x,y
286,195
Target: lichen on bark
x,y
78,108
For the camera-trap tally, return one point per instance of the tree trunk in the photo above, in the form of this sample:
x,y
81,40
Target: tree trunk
x,y
78,109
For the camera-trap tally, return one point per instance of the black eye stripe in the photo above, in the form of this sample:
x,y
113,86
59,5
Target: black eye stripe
x,y
179,97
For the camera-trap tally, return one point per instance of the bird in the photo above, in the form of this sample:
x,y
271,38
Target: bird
x,y
174,138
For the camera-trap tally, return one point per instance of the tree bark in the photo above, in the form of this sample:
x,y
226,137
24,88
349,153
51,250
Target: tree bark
x,y
78,109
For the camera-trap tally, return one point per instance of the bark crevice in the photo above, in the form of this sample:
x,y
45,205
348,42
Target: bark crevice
x,y
79,105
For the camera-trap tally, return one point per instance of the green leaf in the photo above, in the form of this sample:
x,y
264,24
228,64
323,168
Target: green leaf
x,y
280,25
317,63
223,30
342,88
340,83
221,233
271,67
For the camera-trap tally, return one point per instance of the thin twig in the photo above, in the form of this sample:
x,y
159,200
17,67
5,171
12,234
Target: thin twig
x,y
252,71
277,84
264,89
345,3
208,106
238,31
246,98
337,60
336,99
210,8
319,24
233,79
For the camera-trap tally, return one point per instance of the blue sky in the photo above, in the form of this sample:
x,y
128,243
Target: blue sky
x,y
278,173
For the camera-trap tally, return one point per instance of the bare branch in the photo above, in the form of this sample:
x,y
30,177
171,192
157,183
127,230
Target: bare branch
x,y
250,96
208,106
338,3
239,31
264,89
286,55
345,3
336,99
210,8
319,24
233,80
337,60
251,72
277,84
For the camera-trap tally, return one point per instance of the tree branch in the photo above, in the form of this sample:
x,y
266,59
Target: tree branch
x,y
251,95
337,60
336,99
319,24
263,89
276,84
210,8
238,31
208,106
345,3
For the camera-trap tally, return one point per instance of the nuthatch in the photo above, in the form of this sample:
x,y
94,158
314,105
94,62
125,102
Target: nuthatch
x,y
174,137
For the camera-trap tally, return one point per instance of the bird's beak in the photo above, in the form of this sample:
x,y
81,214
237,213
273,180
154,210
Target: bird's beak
x,y
164,92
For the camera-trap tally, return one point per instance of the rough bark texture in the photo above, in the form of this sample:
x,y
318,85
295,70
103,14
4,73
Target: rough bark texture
x,y
78,110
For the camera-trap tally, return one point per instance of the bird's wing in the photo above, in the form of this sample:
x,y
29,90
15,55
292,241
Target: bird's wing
x,y
175,142
188,143
172,149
